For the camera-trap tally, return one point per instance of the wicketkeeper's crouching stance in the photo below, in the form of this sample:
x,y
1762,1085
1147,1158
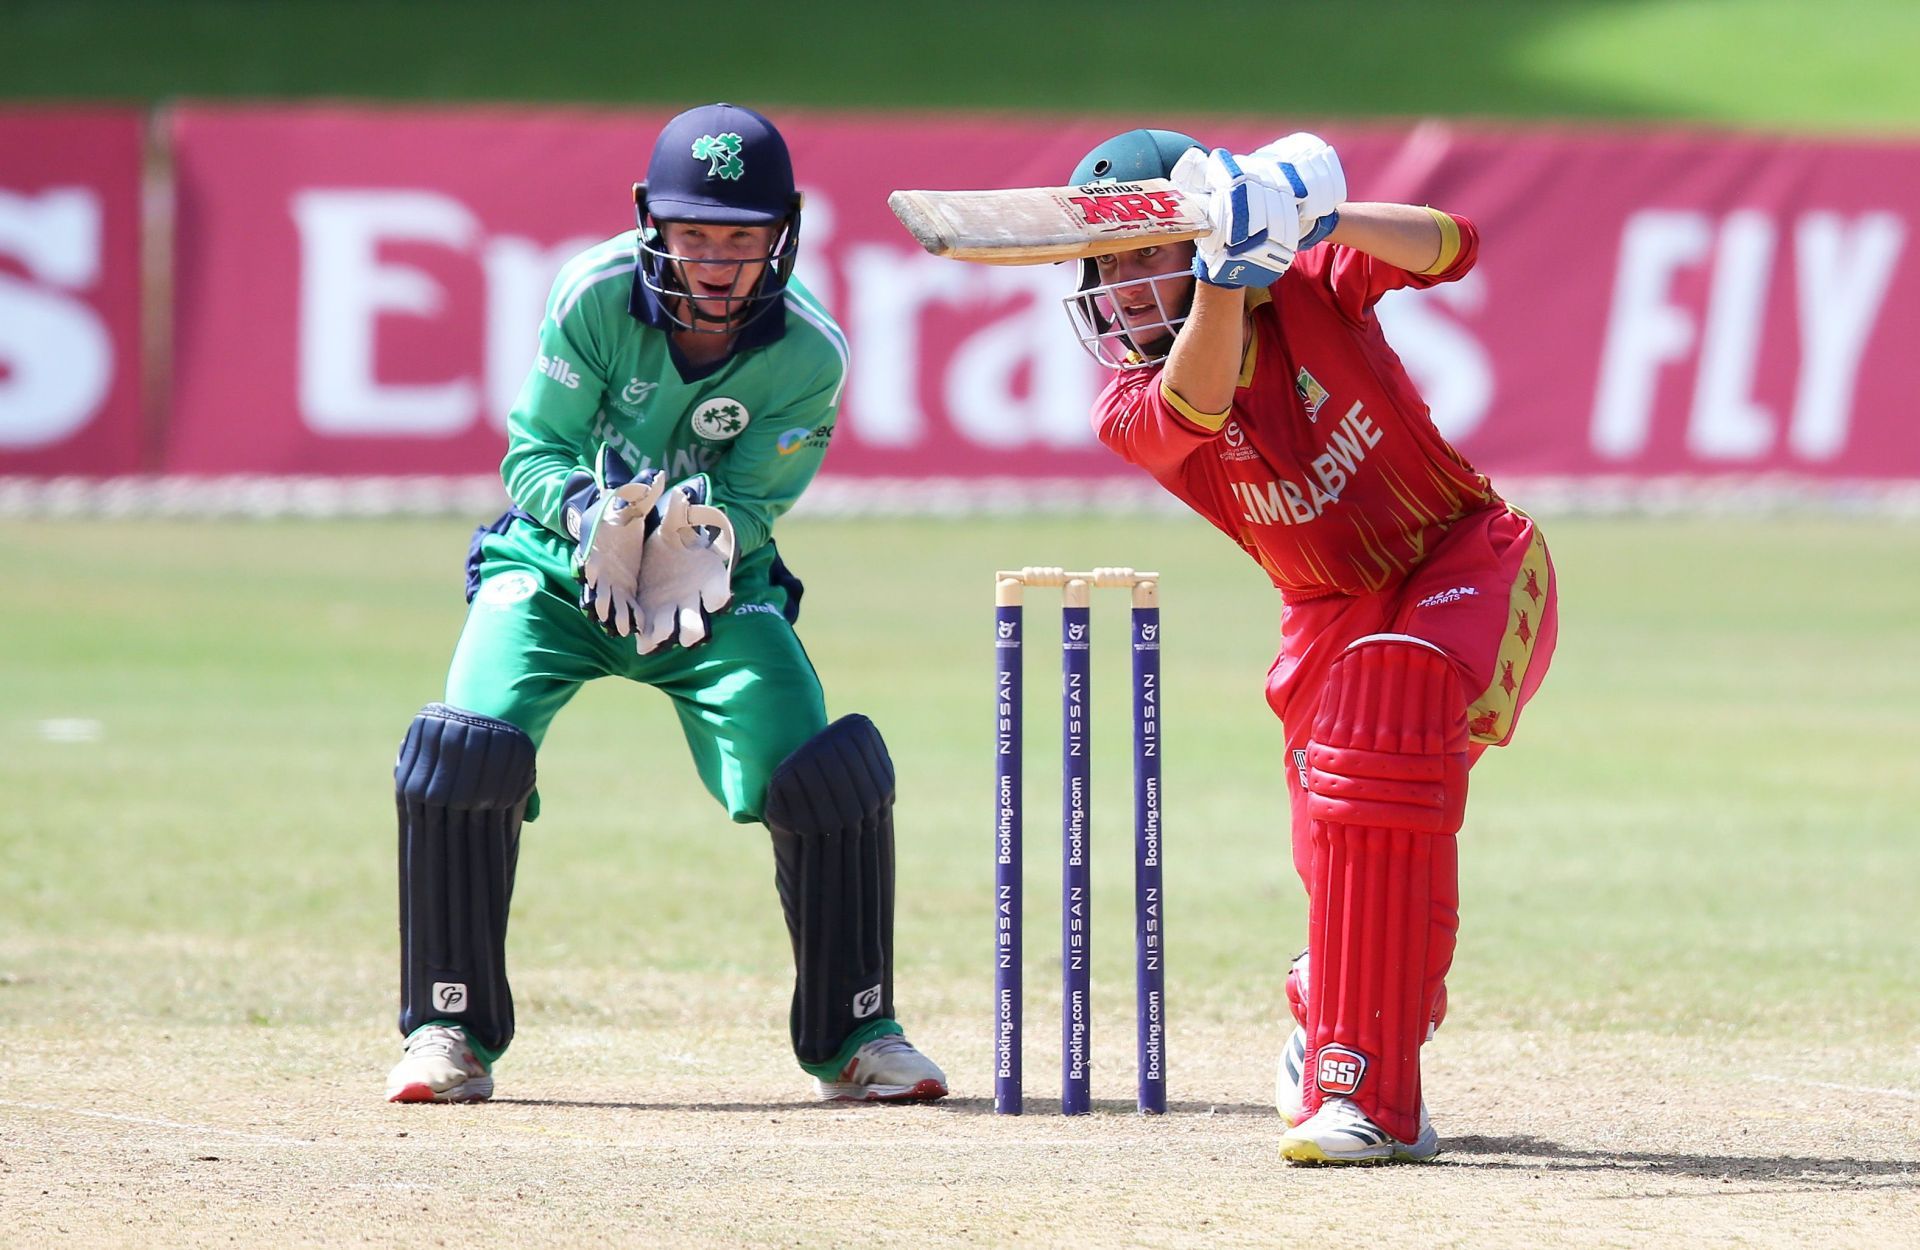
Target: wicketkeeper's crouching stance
x,y
682,398
1254,383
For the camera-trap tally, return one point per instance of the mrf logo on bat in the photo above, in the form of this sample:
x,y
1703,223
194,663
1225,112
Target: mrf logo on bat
x,y
1122,203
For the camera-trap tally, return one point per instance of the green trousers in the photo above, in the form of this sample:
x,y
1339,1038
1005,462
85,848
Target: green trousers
x,y
746,698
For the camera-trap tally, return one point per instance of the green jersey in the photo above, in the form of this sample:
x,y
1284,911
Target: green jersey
x,y
757,423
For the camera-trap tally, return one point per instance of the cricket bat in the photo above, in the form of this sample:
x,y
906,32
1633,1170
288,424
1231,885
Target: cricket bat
x,y
1039,225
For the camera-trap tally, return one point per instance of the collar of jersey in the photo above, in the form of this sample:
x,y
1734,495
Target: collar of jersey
x,y
1256,296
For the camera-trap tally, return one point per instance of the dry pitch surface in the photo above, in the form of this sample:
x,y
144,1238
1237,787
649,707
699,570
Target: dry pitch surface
x,y
697,1135
1707,837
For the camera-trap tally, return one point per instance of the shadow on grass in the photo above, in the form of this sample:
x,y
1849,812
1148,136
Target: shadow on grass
x,y
1793,1172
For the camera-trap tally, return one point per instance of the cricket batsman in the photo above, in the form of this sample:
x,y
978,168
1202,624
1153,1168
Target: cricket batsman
x,y
682,397
1253,382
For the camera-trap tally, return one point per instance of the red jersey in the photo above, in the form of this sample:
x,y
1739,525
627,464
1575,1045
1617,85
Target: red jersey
x,y
1327,469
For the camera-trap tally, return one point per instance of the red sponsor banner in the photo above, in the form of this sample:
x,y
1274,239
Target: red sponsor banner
x,y
358,291
70,291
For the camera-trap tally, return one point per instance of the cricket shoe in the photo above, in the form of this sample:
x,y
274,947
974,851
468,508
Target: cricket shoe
x,y
1342,1133
886,1069
440,1066
1289,1092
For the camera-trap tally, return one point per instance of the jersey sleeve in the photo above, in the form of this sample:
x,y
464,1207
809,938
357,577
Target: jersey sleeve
x,y
550,428
770,465
1354,281
1150,426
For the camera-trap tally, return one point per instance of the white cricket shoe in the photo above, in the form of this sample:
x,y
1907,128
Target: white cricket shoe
x,y
886,1069
1342,1133
1289,1095
439,1066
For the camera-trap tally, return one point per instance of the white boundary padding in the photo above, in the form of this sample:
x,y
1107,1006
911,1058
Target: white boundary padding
x,y
479,497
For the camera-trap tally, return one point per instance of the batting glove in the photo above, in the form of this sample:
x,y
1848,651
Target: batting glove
x,y
1255,226
688,574
608,512
1306,166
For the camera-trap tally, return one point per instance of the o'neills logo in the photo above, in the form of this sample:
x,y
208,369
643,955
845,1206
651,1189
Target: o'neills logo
x,y
559,368
1123,203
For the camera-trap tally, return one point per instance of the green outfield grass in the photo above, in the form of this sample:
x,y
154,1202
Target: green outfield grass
x,y
1705,828
1845,64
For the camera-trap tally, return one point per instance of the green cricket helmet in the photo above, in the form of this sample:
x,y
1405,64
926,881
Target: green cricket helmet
x,y
1132,156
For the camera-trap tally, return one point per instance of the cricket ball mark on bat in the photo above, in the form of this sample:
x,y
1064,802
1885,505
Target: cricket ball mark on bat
x,y
1039,225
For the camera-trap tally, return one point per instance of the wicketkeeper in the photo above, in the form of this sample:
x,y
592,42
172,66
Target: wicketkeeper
x,y
1253,381
682,397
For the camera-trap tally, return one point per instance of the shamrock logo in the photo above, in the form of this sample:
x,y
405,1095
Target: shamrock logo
x,y
720,419
722,152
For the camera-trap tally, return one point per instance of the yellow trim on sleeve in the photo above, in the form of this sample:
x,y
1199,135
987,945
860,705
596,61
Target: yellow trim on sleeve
x,y
1256,296
1449,243
1208,421
1212,421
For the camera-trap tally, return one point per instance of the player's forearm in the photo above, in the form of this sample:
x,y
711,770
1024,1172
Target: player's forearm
x,y
535,478
1405,236
755,500
1204,367
752,522
548,433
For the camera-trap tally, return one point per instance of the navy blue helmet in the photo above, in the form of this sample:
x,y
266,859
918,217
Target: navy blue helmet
x,y
719,164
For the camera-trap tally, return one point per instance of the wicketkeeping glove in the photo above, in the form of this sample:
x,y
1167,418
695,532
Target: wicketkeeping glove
x,y
1307,166
609,511
688,572
1255,226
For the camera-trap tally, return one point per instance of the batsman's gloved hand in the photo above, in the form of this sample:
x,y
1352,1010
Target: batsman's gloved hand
x,y
609,512
1255,226
688,572
1306,166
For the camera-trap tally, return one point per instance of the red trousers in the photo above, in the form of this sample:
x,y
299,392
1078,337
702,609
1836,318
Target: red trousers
x,y
1486,596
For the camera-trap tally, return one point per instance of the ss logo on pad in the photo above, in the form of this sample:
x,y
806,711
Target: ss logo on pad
x,y
1339,1070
